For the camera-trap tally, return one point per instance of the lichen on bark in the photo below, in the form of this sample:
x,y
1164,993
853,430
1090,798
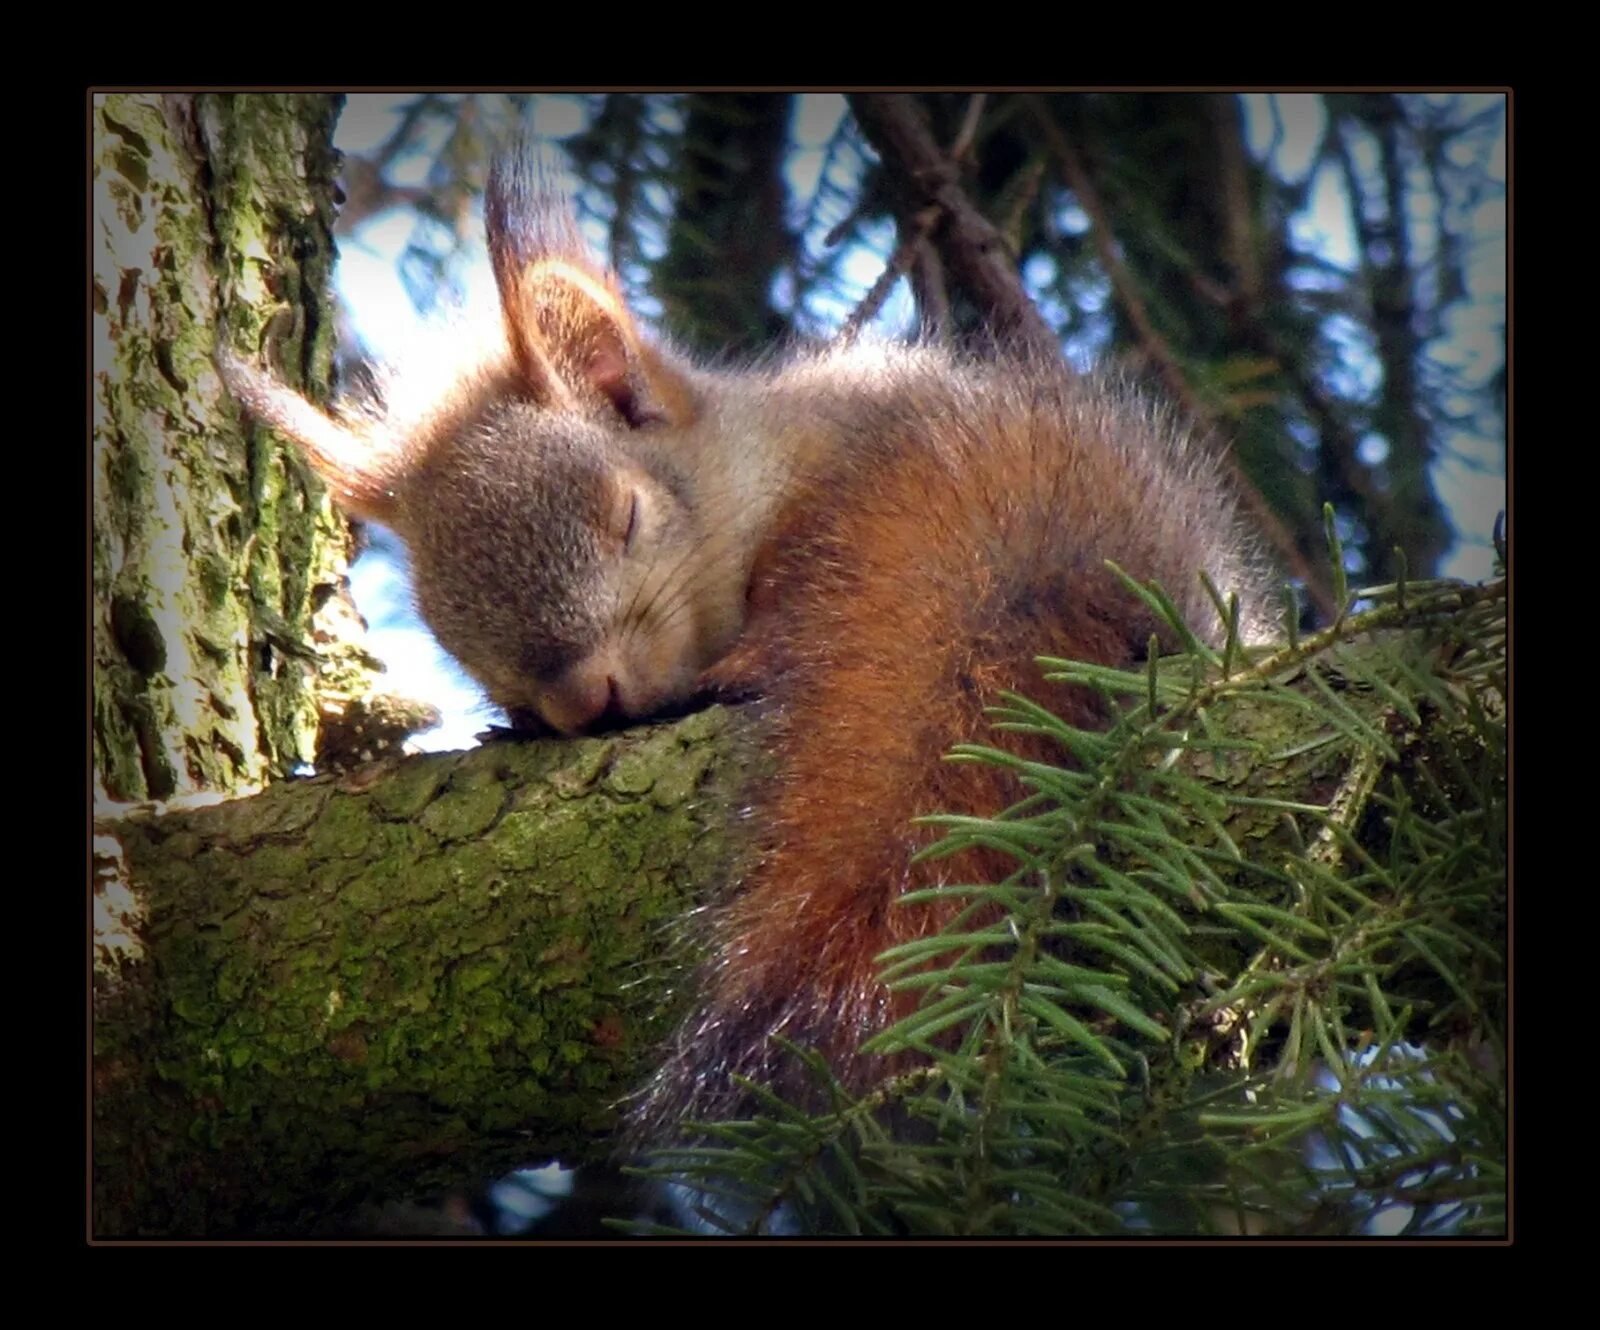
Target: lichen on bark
x,y
210,551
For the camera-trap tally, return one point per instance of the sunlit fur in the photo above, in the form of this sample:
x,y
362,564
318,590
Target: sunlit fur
x,y
949,522
875,539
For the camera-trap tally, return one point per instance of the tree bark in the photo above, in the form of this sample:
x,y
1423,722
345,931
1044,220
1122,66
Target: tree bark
x,y
367,986
217,567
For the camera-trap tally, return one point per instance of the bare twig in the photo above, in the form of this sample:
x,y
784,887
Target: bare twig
x,y
973,252
900,261
1104,237
961,148
933,297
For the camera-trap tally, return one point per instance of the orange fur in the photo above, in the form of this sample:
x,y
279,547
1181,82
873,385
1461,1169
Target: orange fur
x,y
913,574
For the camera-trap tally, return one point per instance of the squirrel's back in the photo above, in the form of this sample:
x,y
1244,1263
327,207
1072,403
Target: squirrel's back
x,y
955,526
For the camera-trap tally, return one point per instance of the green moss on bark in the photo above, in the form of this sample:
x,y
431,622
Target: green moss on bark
x,y
357,992
207,547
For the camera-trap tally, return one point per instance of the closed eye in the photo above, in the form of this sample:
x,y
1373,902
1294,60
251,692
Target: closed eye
x,y
624,515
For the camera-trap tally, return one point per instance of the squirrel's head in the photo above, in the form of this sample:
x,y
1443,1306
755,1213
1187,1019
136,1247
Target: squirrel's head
x,y
542,492
562,566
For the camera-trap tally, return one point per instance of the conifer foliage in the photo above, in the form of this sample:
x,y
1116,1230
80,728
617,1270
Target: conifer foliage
x,y
1197,1006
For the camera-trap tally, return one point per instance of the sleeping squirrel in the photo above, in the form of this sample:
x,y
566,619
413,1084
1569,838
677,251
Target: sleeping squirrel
x,y
877,539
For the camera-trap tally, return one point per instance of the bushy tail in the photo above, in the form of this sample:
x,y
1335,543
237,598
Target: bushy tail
x,y
965,535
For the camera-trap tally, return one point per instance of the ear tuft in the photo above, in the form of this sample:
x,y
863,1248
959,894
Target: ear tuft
x,y
348,464
575,343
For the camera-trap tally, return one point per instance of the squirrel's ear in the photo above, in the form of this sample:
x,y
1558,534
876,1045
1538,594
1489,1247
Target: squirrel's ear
x,y
572,336
349,464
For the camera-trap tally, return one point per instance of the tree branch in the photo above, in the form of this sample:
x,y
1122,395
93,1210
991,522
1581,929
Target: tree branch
x,y
443,968
1155,347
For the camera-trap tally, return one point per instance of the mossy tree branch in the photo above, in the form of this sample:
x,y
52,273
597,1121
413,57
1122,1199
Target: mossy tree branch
x,y
366,986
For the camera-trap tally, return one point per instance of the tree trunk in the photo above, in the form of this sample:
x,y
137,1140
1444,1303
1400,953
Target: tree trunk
x,y
215,565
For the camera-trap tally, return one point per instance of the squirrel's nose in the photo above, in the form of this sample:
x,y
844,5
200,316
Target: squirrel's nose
x,y
581,698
